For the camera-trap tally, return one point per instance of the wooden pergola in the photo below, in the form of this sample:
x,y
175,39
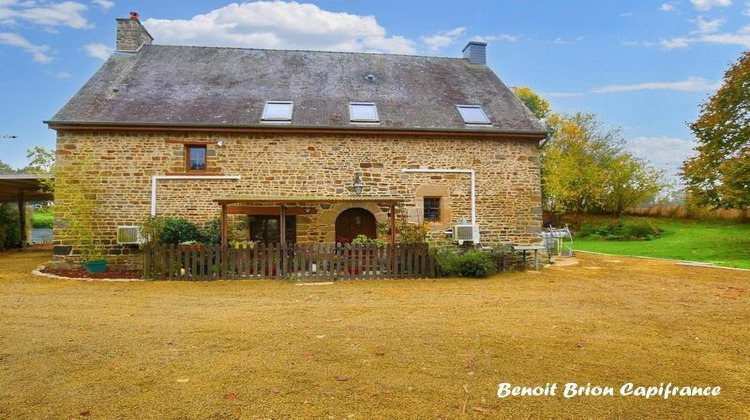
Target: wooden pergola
x,y
22,188
289,206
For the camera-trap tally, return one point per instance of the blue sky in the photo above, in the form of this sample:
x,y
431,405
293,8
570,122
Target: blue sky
x,y
642,66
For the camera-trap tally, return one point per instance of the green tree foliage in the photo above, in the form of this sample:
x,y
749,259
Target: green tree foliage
x,y
720,175
535,103
585,168
6,169
41,160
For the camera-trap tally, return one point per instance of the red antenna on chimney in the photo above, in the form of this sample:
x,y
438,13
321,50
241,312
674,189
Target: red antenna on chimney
x,y
134,15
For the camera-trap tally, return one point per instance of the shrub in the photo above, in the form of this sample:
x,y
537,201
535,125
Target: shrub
x,y
621,230
476,264
364,240
10,231
176,230
210,233
470,264
448,261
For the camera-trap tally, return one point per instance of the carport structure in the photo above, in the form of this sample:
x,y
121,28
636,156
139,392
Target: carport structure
x,y
22,188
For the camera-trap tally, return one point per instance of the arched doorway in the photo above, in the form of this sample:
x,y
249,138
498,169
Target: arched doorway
x,y
354,222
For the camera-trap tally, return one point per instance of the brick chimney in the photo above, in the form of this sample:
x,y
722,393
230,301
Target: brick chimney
x,y
131,35
476,52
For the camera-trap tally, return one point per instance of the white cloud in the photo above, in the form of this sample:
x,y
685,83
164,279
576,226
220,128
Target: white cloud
x,y
67,13
562,94
746,11
63,75
626,14
99,51
38,52
501,37
663,152
708,26
667,7
691,84
740,38
704,5
679,42
277,24
104,4
443,38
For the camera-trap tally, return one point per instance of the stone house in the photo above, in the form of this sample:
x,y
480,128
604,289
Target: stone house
x,y
334,142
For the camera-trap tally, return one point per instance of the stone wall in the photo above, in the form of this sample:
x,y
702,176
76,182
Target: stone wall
x,y
116,168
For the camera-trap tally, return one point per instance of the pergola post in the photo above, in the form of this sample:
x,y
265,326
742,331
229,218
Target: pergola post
x,y
282,239
224,227
22,218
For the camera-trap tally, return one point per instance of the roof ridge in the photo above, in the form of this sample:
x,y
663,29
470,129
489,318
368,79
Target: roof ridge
x,y
303,51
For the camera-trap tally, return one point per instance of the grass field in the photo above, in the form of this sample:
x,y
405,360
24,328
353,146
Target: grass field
x,y
42,219
375,349
722,243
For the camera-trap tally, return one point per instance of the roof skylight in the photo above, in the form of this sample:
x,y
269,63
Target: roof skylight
x,y
277,111
473,114
363,112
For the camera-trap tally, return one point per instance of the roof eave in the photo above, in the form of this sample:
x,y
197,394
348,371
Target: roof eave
x,y
291,129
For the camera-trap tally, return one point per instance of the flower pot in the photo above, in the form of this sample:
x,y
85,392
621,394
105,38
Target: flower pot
x,y
95,266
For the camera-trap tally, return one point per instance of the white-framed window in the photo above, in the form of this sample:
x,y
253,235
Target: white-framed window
x,y
363,112
473,114
277,111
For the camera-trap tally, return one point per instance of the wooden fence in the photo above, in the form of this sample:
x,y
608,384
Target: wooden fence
x,y
314,262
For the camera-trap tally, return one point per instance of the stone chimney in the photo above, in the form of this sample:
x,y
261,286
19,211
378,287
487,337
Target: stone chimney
x,y
131,34
476,52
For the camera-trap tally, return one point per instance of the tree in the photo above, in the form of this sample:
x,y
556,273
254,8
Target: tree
x,y
585,168
719,175
41,160
6,169
535,103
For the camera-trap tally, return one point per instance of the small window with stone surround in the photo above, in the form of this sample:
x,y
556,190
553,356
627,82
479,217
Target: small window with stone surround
x,y
431,209
195,157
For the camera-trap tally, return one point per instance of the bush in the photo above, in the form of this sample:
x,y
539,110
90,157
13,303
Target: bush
x,y
176,230
621,230
470,264
476,264
210,233
10,231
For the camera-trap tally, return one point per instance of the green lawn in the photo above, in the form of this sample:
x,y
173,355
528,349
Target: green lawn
x,y
721,243
42,219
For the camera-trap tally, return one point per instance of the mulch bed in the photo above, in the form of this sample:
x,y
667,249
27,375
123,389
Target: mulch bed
x,y
81,273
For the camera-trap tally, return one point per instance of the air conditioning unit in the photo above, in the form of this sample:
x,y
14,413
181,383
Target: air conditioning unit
x,y
129,235
466,233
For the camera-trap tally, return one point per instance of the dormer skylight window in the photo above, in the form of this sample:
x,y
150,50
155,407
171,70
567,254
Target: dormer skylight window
x,y
277,112
363,112
473,114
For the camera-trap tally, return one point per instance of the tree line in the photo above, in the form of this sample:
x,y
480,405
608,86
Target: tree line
x,y
586,167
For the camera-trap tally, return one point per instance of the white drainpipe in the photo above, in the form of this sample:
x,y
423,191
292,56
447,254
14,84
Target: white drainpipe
x,y
457,171
183,177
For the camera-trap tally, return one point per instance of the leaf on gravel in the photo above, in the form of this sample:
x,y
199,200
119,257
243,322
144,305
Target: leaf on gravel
x,y
231,396
275,390
342,378
183,380
480,409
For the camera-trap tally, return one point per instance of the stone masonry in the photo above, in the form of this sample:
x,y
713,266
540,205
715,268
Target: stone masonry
x,y
119,166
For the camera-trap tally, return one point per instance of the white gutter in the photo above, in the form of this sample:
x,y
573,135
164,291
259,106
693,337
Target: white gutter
x,y
183,177
457,171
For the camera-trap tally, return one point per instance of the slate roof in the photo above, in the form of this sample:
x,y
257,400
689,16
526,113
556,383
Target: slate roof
x,y
164,85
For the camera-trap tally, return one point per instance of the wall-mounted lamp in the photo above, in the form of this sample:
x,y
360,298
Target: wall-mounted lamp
x,y
220,143
358,184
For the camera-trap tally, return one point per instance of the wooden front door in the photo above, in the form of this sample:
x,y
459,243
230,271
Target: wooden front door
x,y
354,222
